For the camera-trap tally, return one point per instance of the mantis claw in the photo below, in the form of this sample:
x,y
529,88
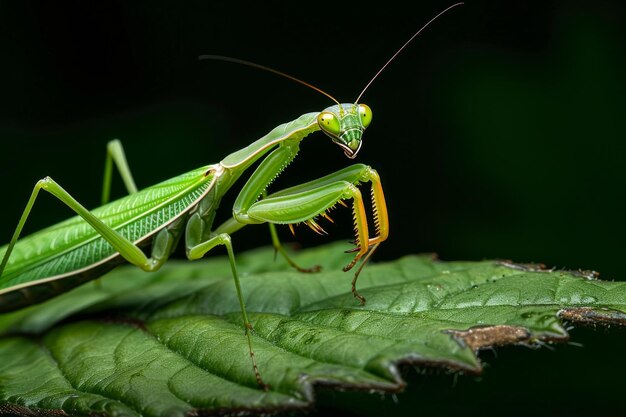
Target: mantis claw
x,y
358,296
265,387
355,293
364,260
350,265
312,269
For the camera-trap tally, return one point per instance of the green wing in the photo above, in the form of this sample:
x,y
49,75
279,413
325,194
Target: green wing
x,y
73,245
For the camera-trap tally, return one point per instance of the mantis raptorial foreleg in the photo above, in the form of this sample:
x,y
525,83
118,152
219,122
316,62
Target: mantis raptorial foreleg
x,y
232,225
354,174
303,203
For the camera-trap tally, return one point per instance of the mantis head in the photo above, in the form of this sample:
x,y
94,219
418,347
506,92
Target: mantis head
x,y
344,124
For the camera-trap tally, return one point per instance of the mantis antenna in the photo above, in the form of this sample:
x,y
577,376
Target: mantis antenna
x,y
319,90
404,46
272,70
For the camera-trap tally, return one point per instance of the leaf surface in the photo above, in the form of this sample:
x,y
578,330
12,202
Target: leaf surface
x,y
171,343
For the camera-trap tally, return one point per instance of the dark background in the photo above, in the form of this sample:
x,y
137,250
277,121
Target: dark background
x,y
499,133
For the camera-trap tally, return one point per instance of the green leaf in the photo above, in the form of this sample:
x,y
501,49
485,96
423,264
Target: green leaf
x,y
171,343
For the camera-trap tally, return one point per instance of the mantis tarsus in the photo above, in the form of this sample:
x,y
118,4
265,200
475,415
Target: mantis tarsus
x,y
84,247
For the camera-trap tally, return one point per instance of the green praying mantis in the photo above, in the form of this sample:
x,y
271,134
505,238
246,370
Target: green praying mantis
x,y
153,220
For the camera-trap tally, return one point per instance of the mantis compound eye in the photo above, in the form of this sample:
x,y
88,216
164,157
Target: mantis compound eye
x,y
329,123
365,114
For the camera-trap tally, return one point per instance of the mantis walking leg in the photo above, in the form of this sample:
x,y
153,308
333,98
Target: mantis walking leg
x,y
163,243
199,239
278,248
197,251
115,154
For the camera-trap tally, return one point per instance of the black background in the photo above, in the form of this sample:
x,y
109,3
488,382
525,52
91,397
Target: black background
x,y
499,133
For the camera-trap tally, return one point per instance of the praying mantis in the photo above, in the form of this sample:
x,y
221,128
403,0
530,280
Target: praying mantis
x,y
153,220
